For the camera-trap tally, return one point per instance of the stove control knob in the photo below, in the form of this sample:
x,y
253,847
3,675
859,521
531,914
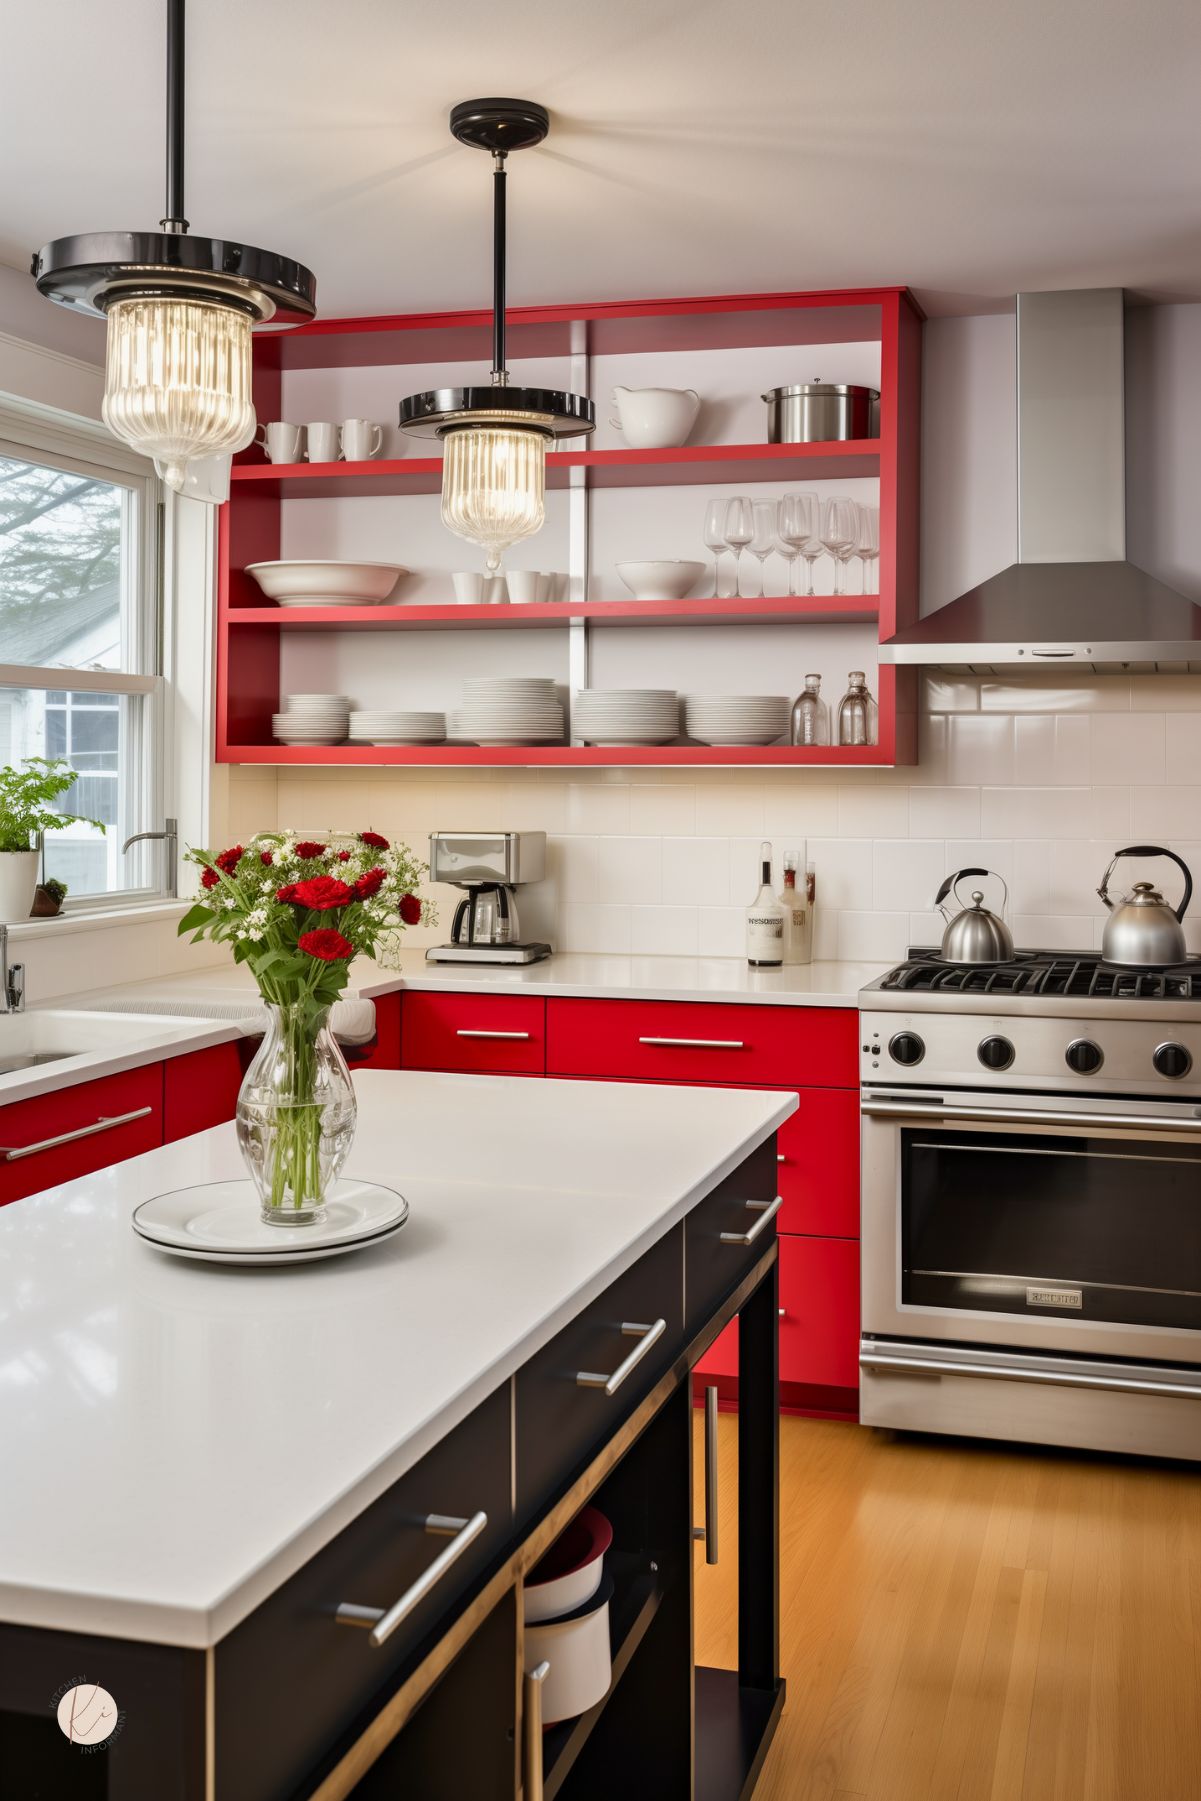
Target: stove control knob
x,y
995,1053
906,1048
1172,1060
1084,1057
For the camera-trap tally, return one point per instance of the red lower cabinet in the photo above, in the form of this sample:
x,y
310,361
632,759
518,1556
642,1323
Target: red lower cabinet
x,y
200,1089
818,1148
819,1330
478,1033
70,1132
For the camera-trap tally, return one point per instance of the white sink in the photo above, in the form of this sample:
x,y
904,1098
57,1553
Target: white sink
x,y
56,1034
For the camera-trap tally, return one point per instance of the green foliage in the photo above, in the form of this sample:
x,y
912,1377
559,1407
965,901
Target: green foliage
x,y
26,797
55,889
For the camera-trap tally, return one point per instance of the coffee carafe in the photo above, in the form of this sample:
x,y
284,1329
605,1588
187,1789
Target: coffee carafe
x,y
489,867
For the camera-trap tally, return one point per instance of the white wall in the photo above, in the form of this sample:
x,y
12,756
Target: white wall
x,y
48,355
1041,778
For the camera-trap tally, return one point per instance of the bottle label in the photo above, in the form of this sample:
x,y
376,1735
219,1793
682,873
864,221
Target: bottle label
x,y
770,925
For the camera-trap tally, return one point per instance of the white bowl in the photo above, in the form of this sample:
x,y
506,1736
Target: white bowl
x,y
660,581
577,1649
326,584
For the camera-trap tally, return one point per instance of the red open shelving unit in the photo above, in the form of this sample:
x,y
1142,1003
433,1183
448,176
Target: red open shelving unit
x,y
249,631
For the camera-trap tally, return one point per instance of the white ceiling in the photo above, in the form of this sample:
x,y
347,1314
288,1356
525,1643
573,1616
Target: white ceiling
x,y
969,148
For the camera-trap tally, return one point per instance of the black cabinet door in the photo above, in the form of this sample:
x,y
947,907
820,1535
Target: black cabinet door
x,y
714,1265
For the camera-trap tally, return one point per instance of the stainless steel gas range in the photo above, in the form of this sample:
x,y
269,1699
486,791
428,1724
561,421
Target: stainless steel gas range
x,y
1031,1229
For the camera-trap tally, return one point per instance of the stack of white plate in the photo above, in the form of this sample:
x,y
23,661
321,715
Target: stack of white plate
x,y
312,719
221,1222
626,715
504,710
736,718
399,726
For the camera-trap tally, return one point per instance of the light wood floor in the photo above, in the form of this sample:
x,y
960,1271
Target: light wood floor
x,y
964,1622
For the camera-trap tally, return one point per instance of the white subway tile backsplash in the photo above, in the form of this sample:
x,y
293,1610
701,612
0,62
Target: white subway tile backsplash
x,y
663,931
1049,752
1166,812
629,869
721,932
597,809
907,873
1165,693
843,868
1183,737
696,871
873,937
589,926
665,810
980,747
1057,693
729,809
1035,812
943,812
873,810
796,810
1130,747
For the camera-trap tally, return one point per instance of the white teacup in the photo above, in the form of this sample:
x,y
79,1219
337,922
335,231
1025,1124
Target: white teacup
x,y
495,588
280,442
526,585
469,588
322,442
361,439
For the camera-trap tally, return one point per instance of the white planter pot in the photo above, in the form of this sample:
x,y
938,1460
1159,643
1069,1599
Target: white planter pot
x,y
18,879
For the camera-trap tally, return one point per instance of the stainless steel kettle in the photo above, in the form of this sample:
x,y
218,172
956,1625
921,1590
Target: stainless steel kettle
x,y
1142,929
973,935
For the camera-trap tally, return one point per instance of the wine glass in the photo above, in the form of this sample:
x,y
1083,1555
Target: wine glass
x,y
868,547
763,543
739,531
798,521
715,539
839,532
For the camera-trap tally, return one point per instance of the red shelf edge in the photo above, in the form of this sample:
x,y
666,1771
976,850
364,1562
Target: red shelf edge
x,y
693,756
826,609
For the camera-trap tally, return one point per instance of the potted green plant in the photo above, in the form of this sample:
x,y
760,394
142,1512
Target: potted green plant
x,y
27,795
48,898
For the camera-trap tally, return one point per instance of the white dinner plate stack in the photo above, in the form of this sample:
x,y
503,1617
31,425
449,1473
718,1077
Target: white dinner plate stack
x,y
312,719
626,715
399,726
736,718
221,1222
504,710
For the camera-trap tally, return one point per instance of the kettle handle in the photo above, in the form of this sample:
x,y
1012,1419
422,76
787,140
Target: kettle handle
x,y
1150,850
959,875
943,892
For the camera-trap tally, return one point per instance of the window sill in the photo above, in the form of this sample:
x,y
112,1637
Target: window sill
x,y
67,924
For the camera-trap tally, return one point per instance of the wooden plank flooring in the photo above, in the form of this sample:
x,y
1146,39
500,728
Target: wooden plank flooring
x,y
970,1622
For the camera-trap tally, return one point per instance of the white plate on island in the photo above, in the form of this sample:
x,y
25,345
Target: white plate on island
x,y
221,1222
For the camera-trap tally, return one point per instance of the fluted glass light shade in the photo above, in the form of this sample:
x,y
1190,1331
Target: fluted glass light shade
x,y
493,486
177,381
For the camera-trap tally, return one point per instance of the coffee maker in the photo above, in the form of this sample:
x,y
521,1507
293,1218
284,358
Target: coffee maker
x,y
488,866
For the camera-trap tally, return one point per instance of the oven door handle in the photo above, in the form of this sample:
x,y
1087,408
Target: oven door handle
x,y
1059,1378
1026,1116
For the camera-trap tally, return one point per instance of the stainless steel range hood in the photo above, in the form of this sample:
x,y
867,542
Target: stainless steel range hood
x,y
1071,598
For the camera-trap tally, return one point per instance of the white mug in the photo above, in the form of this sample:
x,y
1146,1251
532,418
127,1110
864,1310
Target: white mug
x,y
469,588
322,443
361,440
280,442
525,585
495,588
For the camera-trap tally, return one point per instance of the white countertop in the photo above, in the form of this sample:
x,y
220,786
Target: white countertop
x,y
566,973
178,1438
99,1043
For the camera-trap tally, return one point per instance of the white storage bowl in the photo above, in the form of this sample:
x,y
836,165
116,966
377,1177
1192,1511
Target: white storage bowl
x,y
660,581
338,584
577,1650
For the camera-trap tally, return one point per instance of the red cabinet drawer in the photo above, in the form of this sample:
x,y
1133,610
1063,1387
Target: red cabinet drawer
x,y
819,1330
695,1041
200,1089
818,1171
485,1033
83,1109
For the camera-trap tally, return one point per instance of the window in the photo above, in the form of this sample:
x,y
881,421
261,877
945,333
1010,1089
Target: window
x,y
80,636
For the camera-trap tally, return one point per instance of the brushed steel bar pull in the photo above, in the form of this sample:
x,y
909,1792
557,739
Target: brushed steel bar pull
x,y
1059,1378
1077,1123
780,1157
698,1044
463,1032
767,1211
646,1336
104,1124
533,1730
711,1474
383,1623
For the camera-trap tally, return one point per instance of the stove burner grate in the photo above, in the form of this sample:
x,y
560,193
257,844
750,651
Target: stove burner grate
x,y
1042,972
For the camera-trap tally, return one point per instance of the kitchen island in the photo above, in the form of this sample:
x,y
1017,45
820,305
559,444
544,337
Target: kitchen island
x,y
218,1482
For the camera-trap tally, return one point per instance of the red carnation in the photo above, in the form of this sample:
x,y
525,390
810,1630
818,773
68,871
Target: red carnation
x,y
343,856
369,883
209,878
228,861
374,840
322,893
311,849
287,893
327,944
410,909
265,858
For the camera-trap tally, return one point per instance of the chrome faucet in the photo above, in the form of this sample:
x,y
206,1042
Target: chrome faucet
x,y
12,979
170,837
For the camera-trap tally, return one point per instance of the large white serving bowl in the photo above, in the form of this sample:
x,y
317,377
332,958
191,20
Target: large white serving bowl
x,y
660,581
309,584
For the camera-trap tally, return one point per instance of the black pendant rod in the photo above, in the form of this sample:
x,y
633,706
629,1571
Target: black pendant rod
x,y
499,373
175,220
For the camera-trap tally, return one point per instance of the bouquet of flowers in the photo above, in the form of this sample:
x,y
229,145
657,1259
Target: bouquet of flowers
x,y
298,912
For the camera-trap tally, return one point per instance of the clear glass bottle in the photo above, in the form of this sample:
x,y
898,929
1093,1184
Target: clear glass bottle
x,y
798,930
765,922
810,715
857,712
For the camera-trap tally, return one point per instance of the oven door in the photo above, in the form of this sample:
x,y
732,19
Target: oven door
x,y
1033,1222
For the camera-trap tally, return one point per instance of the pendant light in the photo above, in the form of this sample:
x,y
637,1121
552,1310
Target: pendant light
x,y
177,380
495,438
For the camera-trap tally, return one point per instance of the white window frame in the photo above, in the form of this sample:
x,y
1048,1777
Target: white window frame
x,y
31,433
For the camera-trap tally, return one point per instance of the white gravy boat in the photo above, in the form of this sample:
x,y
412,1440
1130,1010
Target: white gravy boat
x,y
655,418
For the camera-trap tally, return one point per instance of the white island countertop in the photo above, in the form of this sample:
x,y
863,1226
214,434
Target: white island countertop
x,y
178,1438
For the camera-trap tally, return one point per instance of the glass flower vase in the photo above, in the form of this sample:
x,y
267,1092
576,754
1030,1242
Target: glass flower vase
x,y
296,1114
